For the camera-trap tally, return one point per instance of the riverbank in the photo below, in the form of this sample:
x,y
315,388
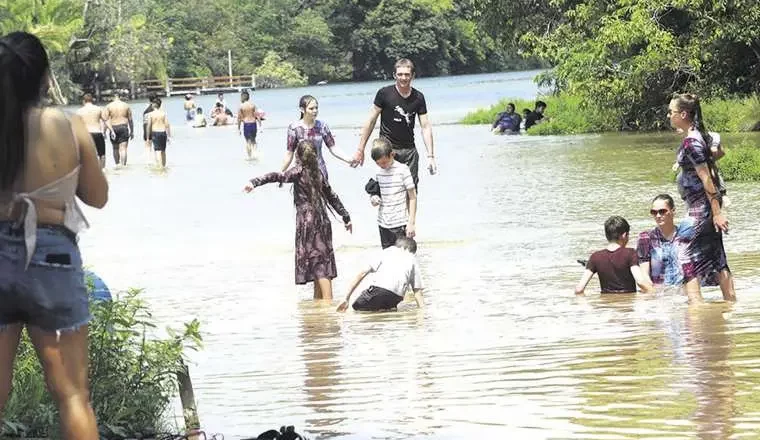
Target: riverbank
x,y
565,115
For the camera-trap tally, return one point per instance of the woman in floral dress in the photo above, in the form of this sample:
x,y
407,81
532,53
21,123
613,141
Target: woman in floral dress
x,y
313,197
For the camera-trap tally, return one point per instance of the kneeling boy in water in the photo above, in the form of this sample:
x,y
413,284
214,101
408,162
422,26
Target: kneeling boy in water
x,y
394,271
617,265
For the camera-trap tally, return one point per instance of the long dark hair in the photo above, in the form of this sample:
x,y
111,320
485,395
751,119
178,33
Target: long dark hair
x,y
690,104
23,65
307,156
304,101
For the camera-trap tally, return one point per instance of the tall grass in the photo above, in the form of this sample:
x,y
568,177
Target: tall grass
x,y
564,115
567,114
741,163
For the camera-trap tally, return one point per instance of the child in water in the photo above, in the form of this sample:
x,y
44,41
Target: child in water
x,y
617,265
200,120
394,271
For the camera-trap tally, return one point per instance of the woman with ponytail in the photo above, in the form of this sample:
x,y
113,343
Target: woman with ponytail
x,y
698,184
46,162
313,197
316,131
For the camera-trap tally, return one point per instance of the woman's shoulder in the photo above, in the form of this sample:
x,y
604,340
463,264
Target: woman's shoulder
x,y
694,140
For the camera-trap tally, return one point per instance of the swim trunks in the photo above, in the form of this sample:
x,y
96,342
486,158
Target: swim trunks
x,y
159,140
120,134
190,114
100,143
249,131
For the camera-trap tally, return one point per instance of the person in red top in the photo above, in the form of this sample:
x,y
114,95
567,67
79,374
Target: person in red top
x,y
617,265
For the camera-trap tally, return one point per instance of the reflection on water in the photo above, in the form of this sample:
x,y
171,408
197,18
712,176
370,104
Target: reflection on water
x,y
502,348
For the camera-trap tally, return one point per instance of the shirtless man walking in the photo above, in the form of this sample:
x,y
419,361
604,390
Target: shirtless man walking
x,y
247,116
92,115
118,118
159,132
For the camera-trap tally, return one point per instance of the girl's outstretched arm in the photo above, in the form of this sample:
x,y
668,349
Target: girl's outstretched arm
x,y
336,204
287,177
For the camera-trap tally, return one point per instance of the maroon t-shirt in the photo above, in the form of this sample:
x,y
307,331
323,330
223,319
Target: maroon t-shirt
x,y
614,269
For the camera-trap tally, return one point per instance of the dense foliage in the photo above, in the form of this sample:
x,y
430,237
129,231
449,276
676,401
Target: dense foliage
x,y
133,376
629,56
309,40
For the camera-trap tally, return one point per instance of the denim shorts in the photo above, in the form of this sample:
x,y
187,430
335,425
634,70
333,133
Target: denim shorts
x,y
51,293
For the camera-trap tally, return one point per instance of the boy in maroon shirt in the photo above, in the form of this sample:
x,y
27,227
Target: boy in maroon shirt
x,y
617,265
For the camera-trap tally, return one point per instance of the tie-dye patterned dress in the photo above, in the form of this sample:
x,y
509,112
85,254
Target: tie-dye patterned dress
x,y
705,255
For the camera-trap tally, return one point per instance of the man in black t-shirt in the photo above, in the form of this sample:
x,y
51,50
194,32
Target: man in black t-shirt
x,y
397,106
536,115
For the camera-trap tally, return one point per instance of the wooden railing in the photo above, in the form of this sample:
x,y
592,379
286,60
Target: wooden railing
x,y
176,86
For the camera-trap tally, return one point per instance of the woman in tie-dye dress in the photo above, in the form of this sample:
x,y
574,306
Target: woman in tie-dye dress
x,y
705,255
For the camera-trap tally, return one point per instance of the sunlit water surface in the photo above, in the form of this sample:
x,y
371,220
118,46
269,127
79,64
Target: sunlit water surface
x,y
502,347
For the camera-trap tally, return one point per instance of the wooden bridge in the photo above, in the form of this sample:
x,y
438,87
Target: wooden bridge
x,y
177,86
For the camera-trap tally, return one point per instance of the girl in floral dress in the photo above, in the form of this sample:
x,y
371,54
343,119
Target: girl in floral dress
x,y
309,127
313,197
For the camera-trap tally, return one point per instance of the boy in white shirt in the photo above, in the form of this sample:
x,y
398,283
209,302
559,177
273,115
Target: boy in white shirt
x,y
398,195
394,272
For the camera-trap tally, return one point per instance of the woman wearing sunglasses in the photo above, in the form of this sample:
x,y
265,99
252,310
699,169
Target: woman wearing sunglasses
x,y
662,250
704,256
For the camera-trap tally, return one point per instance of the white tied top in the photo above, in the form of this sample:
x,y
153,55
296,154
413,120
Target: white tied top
x,y
62,190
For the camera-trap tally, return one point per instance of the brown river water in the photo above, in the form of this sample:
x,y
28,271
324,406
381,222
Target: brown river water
x,y
502,349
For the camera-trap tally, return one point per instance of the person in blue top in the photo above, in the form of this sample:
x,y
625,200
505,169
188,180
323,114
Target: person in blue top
x,y
507,121
662,250
100,291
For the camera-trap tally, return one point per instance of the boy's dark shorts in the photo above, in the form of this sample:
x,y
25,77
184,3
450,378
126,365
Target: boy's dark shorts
x,y
388,237
376,298
159,140
100,143
51,293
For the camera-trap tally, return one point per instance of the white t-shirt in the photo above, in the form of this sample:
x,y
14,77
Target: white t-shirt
x,y
394,183
395,269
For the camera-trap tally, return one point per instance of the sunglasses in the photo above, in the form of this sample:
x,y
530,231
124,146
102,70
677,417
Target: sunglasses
x,y
661,212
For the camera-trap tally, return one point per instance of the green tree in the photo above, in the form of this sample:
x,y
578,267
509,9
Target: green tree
x,y
54,22
274,72
630,56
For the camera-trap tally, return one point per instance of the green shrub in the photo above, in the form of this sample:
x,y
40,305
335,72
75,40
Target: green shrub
x,y
568,114
132,376
564,114
275,72
741,163
732,115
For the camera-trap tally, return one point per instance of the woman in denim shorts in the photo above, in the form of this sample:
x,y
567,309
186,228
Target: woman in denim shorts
x,y
46,161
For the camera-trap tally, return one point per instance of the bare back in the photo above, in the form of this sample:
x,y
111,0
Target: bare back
x,y
118,113
157,120
92,115
51,154
247,112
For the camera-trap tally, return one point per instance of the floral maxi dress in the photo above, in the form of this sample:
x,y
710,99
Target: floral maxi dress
x,y
315,258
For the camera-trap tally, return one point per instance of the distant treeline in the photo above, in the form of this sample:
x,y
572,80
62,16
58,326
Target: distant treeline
x,y
283,42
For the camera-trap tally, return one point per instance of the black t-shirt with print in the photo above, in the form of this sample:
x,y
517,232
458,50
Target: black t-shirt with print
x,y
398,115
